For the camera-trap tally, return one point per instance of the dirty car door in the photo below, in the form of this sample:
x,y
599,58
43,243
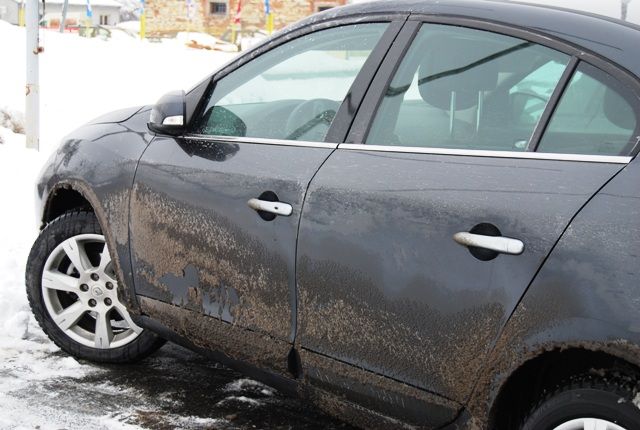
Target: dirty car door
x,y
395,272
214,215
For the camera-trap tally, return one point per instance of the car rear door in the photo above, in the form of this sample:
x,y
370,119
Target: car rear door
x,y
214,214
396,273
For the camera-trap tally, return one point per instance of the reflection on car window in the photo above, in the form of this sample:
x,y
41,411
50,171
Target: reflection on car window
x,y
593,117
293,91
531,94
467,89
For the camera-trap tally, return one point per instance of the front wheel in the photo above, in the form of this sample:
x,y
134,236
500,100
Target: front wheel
x,y
73,292
587,403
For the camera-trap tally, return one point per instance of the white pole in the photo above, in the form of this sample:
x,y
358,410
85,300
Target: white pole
x,y
624,5
65,6
32,113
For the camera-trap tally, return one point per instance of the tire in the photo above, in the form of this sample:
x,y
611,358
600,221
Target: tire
x,y
79,308
585,401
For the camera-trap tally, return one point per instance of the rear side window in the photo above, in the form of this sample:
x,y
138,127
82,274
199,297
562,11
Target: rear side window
x,y
463,88
595,116
294,91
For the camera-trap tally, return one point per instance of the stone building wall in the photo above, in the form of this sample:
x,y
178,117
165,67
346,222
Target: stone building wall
x,y
170,16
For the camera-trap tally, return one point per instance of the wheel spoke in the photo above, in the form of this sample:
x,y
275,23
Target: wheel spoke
x,y
76,253
588,424
96,291
105,258
127,318
104,334
70,316
55,280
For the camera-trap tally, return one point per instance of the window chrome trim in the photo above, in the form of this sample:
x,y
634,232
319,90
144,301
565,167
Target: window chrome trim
x,y
612,159
262,141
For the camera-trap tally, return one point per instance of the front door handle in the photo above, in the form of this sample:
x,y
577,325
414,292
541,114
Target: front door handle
x,y
500,244
276,208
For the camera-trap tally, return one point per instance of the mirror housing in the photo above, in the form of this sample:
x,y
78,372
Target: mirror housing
x,y
168,116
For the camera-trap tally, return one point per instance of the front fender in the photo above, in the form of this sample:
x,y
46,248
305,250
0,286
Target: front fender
x,y
99,162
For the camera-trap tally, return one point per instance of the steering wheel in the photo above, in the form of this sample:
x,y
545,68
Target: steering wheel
x,y
307,116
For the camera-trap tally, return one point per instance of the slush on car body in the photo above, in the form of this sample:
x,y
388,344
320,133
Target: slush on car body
x,y
411,213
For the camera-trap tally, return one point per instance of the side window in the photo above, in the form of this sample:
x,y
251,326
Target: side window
x,y
293,91
467,89
531,94
595,116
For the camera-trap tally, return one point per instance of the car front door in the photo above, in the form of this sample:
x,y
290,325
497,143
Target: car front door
x,y
214,214
419,236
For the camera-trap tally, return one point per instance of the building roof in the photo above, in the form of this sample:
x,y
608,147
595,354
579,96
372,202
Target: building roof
x,y
605,36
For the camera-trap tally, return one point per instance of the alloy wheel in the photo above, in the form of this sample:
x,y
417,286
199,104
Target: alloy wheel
x,y
589,424
80,292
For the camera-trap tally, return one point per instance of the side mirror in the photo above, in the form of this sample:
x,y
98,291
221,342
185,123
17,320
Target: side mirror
x,y
168,114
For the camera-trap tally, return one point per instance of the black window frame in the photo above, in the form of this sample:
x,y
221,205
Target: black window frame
x,y
198,96
365,116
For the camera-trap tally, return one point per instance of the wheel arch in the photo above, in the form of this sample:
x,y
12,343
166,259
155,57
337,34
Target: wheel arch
x,y
64,198
545,371
72,194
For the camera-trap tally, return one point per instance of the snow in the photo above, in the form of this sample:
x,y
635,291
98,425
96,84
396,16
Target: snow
x,y
26,355
83,78
249,385
80,79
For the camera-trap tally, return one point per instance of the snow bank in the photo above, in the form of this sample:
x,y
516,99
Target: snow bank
x,y
26,355
80,80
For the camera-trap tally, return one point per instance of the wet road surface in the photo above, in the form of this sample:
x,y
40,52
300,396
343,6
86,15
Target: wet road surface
x,y
174,388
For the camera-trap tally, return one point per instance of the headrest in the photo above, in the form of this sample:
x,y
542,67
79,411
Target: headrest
x,y
465,66
618,111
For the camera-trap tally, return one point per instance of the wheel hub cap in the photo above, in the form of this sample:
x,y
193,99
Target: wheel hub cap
x,y
589,424
92,316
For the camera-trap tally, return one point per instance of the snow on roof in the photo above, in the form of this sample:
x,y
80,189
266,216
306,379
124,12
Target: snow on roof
x,y
111,3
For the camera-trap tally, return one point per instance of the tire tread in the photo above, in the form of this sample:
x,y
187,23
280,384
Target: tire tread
x,y
66,225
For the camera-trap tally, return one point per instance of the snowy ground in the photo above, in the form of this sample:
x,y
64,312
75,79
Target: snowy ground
x,y
41,387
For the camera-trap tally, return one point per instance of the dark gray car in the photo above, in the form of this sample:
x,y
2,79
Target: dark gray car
x,y
411,213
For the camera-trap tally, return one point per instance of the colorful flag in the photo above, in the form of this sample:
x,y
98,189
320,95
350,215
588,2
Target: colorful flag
x,y
236,20
89,11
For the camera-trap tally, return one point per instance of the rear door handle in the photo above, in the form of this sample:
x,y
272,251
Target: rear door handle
x,y
276,208
500,244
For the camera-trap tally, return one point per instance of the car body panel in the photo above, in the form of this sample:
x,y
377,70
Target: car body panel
x,y
99,161
197,244
587,294
377,261
211,271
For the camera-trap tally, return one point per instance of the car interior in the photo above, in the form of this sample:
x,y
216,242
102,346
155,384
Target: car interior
x,y
456,88
477,93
